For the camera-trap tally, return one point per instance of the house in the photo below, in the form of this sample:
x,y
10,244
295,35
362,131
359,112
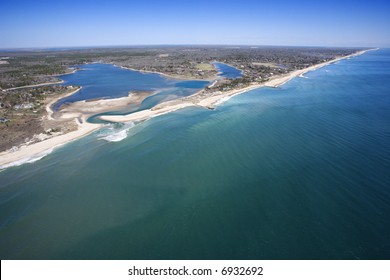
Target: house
x,y
24,106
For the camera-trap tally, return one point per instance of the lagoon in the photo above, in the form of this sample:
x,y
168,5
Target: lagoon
x,y
295,172
227,71
108,81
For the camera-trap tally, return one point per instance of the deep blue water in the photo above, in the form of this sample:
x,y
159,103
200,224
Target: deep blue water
x,y
227,71
108,81
296,172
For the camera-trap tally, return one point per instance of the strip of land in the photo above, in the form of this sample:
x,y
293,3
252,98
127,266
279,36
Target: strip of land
x,y
76,114
32,86
200,100
169,76
80,111
25,153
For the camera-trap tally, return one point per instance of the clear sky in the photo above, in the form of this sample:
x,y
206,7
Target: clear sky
x,y
41,23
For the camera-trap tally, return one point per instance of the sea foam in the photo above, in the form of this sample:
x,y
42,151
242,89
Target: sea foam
x,y
303,76
27,159
116,132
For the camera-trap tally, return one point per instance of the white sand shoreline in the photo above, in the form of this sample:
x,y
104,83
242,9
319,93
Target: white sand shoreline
x,y
9,157
25,153
50,104
212,101
78,113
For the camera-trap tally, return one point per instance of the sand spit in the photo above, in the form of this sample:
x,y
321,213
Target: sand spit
x,y
75,114
80,111
217,97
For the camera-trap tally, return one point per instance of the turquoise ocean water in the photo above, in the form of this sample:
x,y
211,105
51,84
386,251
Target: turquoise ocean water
x,y
296,172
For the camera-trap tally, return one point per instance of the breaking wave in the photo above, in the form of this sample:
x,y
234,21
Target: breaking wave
x,y
27,159
222,100
115,132
303,76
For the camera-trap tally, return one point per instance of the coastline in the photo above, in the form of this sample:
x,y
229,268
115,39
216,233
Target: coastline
x,y
35,151
77,113
166,75
219,72
217,99
45,84
51,103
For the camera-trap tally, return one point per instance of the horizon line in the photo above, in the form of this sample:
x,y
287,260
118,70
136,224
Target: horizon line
x,y
171,45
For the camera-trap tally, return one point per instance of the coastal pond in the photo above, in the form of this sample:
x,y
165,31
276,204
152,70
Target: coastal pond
x,y
295,172
227,71
104,81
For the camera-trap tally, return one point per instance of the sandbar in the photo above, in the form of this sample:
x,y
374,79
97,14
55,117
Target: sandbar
x,y
79,112
76,113
216,98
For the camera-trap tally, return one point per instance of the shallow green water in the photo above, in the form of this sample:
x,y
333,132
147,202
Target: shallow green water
x,y
297,172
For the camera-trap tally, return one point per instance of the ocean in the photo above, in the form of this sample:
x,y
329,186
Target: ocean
x,y
295,172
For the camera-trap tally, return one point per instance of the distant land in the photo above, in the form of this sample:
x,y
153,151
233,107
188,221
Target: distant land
x,y
30,86
226,153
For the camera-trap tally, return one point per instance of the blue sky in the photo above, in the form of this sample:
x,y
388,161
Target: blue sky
x,y
26,24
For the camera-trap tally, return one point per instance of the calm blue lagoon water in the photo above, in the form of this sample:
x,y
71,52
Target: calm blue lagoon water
x,y
227,71
296,172
108,81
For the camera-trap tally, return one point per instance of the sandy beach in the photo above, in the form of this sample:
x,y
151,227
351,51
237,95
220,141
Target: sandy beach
x,y
80,111
217,98
86,108
76,113
37,150
51,103
149,113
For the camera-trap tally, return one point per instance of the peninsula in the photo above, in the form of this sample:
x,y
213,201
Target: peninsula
x,y
28,107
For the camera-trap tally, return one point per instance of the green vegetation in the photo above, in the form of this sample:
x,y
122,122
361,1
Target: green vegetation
x,y
22,109
205,66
